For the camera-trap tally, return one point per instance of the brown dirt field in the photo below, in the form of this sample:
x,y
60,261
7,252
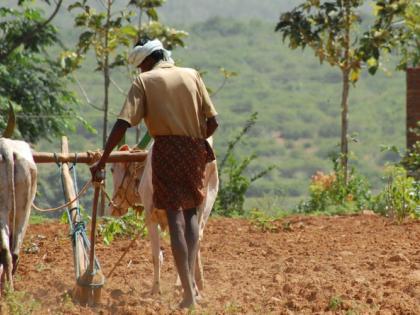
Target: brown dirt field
x,y
361,264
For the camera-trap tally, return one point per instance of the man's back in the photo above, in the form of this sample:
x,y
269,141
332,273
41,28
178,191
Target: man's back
x,y
177,102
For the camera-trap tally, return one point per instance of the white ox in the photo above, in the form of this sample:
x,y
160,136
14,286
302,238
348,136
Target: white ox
x,y
133,187
18,174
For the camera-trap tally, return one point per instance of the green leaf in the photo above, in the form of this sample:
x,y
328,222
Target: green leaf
x,y
152,13
372,64
85,39
129,30
354,75
228,74
75,5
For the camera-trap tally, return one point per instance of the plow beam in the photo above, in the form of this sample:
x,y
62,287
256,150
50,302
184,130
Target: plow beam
x,y
84,157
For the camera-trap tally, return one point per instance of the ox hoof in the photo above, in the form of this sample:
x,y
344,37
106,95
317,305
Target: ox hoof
x,y
155,290
198,297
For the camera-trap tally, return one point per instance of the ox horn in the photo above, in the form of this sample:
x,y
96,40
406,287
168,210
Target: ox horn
x,y
11,122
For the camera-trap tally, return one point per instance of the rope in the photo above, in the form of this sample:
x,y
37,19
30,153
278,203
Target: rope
x,y
82,192
107,196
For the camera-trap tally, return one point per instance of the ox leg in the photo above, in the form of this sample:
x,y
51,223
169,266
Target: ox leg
x,y
5,259
156,255
178,281
199,278
26,183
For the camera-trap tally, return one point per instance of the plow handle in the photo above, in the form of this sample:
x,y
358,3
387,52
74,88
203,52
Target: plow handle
x,y
93,227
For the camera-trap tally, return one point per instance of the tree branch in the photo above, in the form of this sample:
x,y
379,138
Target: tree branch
x,y
117,86
29,34
85,95
213,95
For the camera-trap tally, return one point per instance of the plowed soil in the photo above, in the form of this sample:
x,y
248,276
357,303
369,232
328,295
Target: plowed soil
x,y
362,264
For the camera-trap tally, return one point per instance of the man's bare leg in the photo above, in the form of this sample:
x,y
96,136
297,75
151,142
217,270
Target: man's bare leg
x,y
191,236
179,247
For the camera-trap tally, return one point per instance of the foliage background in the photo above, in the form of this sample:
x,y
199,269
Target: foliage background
x,y
297,99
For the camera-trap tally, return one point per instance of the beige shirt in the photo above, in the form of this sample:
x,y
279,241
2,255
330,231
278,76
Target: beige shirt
x,y
171,100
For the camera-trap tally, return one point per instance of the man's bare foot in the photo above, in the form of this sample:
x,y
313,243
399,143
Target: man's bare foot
x,y
197,294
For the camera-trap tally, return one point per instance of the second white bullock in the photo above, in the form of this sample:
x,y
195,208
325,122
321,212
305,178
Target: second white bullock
x,y
133,188
18,175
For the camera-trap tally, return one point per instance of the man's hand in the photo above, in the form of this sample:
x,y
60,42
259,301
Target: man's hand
x,y
97,171
115,136
212,125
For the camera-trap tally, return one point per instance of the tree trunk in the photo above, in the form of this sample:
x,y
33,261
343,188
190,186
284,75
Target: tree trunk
x,y
413,105
139,27
106,76
345,94
345,123
106,102
107,82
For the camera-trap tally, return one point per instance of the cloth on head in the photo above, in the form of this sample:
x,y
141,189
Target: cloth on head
x,y
178,166
140,53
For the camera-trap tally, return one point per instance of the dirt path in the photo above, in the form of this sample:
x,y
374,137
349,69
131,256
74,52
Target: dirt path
x,y
344,265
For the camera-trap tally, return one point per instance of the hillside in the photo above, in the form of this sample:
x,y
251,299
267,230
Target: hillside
x,y
296,97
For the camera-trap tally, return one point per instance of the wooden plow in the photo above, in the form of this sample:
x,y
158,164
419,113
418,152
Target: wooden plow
x,y
88,272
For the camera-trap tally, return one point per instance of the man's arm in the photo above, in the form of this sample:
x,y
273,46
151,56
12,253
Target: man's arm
x,y
117,132
212,125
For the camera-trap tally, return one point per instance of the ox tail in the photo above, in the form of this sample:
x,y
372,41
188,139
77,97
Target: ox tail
x,y
11,122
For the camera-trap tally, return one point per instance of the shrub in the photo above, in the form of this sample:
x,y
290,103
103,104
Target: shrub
x,y
231,198
262,221
411,161
410,158
401,196
233,182
329,191
128,225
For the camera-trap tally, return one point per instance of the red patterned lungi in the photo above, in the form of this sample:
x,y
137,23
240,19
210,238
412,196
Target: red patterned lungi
x,y
178,165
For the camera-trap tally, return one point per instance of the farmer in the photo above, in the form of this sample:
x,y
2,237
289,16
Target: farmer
x,y
179,115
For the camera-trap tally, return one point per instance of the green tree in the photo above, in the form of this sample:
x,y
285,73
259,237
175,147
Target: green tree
x,y
104,33
400,21
396,27
30,80
111,33
332,30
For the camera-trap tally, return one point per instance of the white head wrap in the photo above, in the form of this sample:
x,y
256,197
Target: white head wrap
x,y
140,53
